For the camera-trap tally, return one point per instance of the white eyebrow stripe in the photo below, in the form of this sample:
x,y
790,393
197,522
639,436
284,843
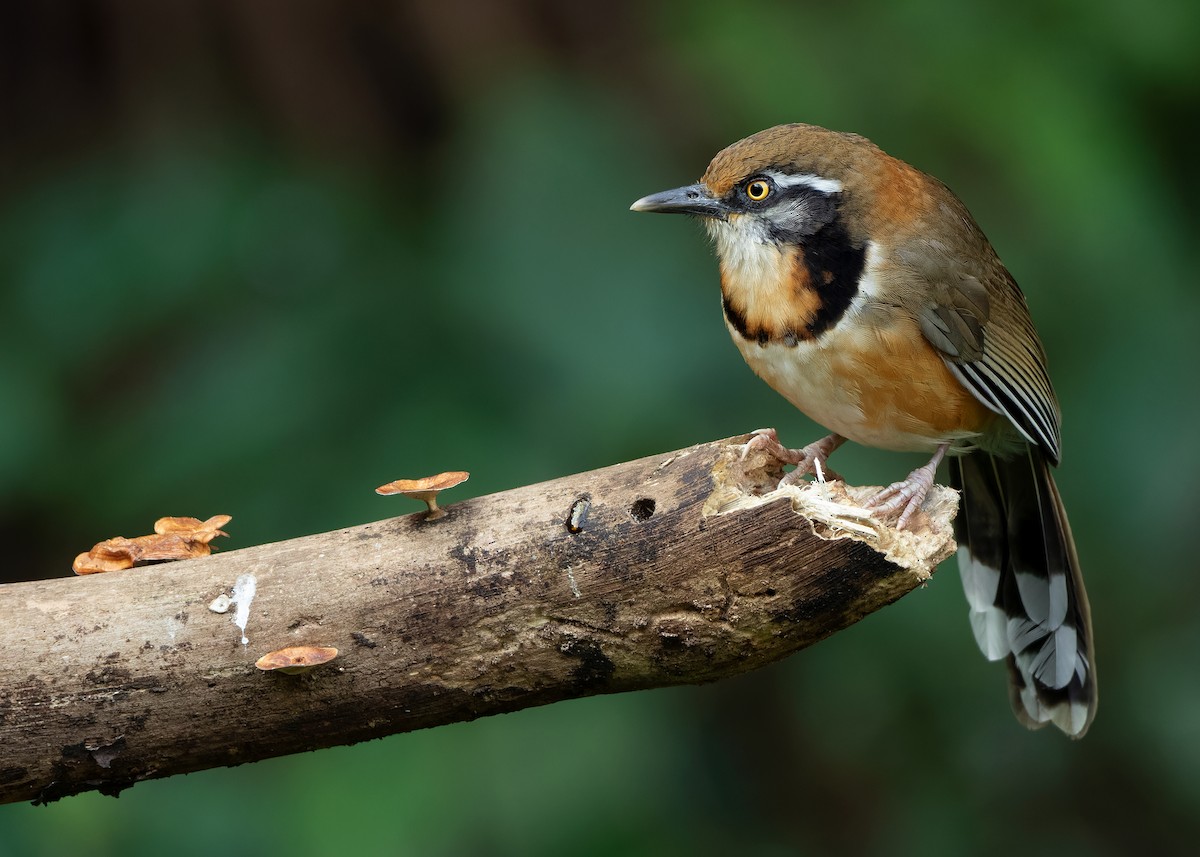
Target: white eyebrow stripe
x,y
807,179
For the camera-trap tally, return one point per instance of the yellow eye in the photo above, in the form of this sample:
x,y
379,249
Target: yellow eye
x,y
758,190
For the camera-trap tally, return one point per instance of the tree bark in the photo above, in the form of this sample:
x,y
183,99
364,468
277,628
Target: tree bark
x,y
674,569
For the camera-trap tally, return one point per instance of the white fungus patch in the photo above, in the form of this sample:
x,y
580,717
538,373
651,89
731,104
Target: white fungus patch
x,y
243,594
574,586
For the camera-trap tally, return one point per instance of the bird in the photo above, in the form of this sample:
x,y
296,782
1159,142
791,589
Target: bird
x,y
863,291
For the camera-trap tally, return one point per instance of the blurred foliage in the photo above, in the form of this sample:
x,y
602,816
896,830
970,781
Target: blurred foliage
x,y
258,258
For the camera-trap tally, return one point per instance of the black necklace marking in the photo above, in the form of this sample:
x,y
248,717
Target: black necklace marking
x,y
834,267
737,319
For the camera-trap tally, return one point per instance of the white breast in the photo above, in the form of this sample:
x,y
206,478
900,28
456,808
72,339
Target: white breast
x,y
805,375
829,378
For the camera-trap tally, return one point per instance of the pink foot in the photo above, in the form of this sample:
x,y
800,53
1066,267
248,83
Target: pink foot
x,y
907,496
810,459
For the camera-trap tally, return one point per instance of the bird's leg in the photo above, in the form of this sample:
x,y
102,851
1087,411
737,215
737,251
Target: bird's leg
x,y
810,459
907,496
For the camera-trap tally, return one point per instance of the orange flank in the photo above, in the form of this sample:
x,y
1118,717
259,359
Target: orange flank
x,y
883,386
905,387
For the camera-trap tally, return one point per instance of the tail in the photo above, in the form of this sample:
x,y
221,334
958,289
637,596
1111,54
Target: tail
x,y
1022,580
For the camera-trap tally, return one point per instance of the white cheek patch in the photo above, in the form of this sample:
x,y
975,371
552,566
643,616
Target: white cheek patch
x,y
748,256
737,234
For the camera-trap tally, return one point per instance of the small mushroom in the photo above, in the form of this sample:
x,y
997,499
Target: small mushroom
x,y
98,562
193,529
296,659
426,489
173,538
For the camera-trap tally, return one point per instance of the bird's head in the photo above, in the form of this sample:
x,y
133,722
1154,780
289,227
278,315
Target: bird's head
x,y
780,187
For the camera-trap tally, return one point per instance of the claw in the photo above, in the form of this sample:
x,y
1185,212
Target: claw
x,y
906,497
809,460
767,440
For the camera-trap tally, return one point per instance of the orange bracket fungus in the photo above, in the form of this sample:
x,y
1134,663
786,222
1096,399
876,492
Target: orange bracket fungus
x,y
426,489
173,538
296,659
193,528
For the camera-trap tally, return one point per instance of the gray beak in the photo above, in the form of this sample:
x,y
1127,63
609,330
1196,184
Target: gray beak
x,y
693,199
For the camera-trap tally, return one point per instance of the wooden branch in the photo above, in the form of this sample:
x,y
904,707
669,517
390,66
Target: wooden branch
x,y
668,570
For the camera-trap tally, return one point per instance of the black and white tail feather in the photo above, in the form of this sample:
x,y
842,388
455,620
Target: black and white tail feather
x,y
1021,576
1028,606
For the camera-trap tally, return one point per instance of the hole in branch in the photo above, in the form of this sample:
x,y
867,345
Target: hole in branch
x,y
642,509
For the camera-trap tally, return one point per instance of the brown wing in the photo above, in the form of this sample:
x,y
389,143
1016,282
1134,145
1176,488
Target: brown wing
x,y
975,315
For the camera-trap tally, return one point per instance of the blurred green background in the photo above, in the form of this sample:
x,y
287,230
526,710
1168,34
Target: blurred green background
x,y
257,258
